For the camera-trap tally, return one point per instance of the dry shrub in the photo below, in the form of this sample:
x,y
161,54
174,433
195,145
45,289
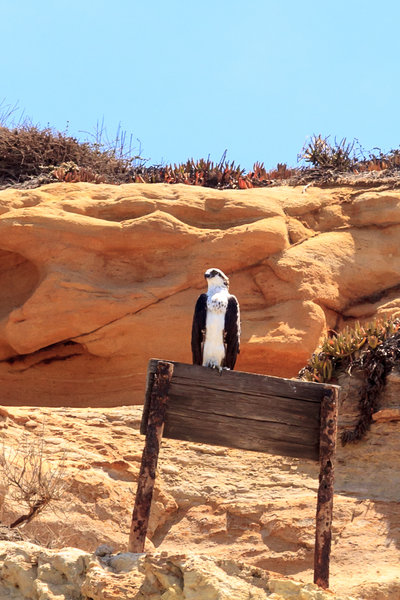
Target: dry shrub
x,y
27,152
331,160
32,479
320,153
31,156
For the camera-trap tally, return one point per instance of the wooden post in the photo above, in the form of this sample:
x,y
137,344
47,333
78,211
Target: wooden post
x,y
155,426
323,535
246,411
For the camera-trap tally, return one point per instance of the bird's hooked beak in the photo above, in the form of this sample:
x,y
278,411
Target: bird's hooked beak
x,y
210,274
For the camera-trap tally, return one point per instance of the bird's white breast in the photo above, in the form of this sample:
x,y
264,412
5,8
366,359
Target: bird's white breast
x,y
214,348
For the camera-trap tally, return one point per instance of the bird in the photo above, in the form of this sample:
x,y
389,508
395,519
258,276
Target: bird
x,y
216,324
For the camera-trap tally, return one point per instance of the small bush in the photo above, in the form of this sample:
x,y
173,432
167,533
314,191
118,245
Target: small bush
x,y
32,479
339,156
27,152
340,351
373,349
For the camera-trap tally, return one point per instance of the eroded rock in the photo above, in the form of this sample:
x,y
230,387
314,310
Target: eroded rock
x,y
33,573
97,279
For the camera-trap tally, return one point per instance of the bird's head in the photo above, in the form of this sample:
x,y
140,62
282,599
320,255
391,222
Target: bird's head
x,y
216,278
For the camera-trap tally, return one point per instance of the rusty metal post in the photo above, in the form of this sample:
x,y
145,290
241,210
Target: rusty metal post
x,y
327,449
155,426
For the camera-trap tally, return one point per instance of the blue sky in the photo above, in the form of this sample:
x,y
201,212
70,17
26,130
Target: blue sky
x,y
191,79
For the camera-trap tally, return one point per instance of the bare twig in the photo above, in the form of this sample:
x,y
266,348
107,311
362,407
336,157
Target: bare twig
x,y
33,480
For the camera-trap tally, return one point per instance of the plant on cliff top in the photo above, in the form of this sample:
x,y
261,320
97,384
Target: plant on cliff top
x,y
339,156
204,172
31,156
27,152
373,348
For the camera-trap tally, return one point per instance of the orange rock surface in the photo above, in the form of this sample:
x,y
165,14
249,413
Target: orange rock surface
x,y
223,504
97,279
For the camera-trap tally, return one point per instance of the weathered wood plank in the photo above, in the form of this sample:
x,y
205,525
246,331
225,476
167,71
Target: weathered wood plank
x,y
242,410
259,436
323,535
175,414
251,383
147,474
147,397
282,410
211,384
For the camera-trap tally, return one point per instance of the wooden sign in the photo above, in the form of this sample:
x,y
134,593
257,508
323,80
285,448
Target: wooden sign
x,y
239,410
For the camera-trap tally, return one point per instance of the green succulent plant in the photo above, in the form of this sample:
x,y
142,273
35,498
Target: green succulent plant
x,y
340,350
374,349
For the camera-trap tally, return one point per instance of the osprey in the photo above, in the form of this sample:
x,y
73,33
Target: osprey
x,y
216,324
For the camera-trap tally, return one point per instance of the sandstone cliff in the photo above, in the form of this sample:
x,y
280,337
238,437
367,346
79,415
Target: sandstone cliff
x,y
243,507
97,279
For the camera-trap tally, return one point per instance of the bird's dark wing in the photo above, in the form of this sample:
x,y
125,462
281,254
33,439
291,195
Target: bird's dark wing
x,y
198,326
232,332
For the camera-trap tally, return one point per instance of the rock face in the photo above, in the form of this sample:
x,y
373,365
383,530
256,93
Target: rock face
x,y
33,573
97,279
229,505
